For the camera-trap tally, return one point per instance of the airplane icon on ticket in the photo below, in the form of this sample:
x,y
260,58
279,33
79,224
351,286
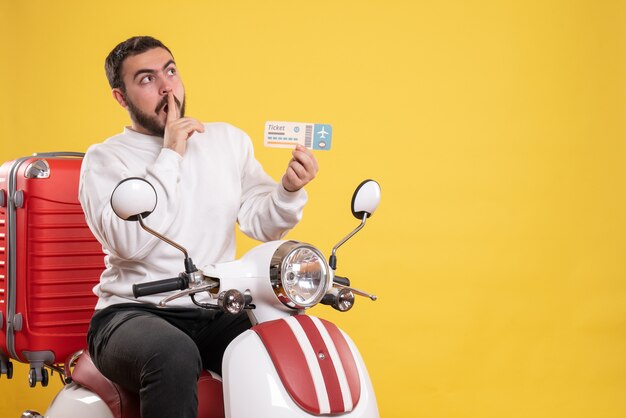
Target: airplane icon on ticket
x,y
322,133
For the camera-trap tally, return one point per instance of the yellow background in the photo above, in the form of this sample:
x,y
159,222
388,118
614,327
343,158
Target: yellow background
x,y
496,129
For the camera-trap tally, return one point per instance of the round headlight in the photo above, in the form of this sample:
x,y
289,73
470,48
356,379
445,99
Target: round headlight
x,y
299,274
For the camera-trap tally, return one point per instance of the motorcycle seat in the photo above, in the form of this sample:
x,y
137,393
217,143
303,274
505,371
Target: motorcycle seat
x,y
125,404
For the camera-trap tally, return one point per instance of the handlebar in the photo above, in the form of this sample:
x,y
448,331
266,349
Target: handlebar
x,y
344,281
160,286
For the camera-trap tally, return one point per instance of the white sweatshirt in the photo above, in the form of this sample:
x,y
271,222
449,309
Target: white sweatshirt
x,y
200,198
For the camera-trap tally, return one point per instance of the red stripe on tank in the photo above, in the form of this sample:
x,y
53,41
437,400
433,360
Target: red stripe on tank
x,y
347,360
290,363
331,381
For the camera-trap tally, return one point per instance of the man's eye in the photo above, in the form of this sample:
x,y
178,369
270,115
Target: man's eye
x,y
171,71
147,79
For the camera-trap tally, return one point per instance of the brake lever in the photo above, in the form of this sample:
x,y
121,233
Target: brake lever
x,y
356,291
187,292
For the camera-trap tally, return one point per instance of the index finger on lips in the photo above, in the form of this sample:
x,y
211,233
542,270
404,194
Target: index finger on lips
x,y
172,109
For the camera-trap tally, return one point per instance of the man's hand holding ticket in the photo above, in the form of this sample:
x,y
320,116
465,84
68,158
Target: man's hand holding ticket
x,y
302,138
315,136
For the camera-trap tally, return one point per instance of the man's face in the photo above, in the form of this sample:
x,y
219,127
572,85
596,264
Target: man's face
x,y
148,77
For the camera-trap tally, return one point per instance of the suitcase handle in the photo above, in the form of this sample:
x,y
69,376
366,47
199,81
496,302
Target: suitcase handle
x,y
40,168
59,154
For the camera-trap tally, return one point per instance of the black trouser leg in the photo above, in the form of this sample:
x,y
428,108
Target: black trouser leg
x,y
213,338
148,355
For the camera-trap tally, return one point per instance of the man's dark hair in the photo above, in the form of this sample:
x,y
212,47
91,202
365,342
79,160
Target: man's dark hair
x,y
132,46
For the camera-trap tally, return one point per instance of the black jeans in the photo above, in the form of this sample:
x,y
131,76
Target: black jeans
x,y
160,352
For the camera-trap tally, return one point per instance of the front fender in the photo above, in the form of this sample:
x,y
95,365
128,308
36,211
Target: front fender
x,y
269,371
74,401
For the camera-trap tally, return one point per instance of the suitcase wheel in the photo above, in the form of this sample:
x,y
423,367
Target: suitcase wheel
x,y
38,375
32,378
6,368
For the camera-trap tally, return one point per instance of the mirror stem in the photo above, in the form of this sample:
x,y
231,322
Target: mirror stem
x,y
161,237
189,266
333,258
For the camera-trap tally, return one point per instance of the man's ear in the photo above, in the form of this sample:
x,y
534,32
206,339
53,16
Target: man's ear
x,y
119,95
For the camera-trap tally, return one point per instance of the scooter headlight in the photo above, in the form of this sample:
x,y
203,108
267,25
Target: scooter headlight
x,y
300,274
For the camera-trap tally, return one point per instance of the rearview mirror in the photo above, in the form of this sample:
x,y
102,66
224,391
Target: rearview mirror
x,y
133,197
365,199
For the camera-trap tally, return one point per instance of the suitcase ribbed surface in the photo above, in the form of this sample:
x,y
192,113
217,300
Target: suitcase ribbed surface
x,y
3,270
64,262
4,273
56,262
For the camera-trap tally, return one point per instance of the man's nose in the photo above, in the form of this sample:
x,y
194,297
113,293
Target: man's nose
x,y
166,87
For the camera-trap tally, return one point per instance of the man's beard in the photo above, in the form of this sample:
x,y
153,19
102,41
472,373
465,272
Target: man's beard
x,y
150,123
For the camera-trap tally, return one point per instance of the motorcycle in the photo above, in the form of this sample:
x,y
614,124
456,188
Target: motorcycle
x,y
287,365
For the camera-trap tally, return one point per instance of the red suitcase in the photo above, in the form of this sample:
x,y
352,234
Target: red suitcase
x,y
49,263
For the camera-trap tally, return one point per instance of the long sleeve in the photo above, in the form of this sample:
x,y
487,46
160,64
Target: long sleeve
x,y
103,168
267,210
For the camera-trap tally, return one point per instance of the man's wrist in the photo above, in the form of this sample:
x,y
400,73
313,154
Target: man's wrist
x,y
286,195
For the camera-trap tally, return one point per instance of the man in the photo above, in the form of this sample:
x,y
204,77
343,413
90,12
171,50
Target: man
x,y
207,179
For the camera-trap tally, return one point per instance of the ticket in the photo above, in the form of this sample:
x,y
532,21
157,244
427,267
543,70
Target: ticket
x,y
315,136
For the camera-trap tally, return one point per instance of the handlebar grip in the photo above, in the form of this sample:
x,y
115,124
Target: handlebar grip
x,y
160,286
344,281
